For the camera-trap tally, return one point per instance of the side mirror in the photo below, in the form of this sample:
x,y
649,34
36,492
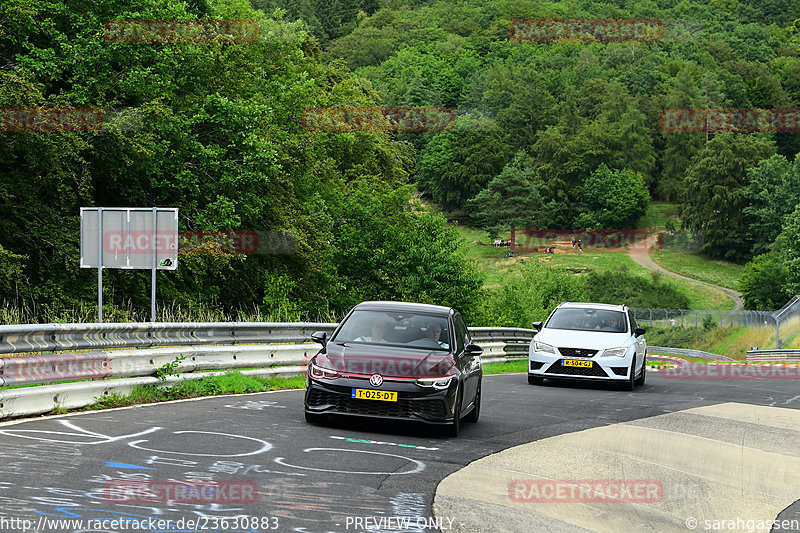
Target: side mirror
x,y
638,332
320,337
537,326
473,349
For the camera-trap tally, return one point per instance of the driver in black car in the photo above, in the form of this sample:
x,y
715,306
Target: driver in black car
x,y
433,331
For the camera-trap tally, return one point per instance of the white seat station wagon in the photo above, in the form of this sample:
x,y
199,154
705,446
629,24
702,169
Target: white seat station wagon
x,y
588,341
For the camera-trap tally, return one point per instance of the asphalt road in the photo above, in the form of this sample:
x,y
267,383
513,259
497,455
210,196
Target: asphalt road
x,y
278,473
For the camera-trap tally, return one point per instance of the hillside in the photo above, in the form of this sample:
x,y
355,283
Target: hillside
x,y
547,135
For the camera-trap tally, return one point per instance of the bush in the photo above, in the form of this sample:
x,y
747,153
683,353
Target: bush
x,y
764,283
676,337
530,295
624,287
709,323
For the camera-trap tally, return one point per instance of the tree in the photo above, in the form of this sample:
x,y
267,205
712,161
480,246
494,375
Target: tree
x,y
387,247
612,199
714,193
457,164
680,148
529,110
635,147
772,194
787,246
219,137
510,201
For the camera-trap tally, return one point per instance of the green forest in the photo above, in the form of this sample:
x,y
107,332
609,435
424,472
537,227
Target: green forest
x,y
549,135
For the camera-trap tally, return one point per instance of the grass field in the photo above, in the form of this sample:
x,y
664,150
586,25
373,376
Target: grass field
x,y
657,215
492,261
700,267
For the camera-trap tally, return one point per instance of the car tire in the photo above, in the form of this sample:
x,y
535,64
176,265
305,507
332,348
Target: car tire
x,y
473,415
640,380
535,380
455,426
313,418
631,383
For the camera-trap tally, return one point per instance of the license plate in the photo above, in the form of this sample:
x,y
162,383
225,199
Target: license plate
x,y
369,394
572,362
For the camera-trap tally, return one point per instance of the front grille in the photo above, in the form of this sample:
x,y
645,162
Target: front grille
x,y
535,365
620,370
429,408
557,368
402,408
577,352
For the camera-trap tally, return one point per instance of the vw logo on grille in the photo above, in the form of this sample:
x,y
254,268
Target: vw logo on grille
x,y
376,380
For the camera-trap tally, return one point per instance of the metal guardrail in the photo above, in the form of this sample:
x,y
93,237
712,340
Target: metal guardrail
x,y
742,318
60,337
260,348
687,352
772,355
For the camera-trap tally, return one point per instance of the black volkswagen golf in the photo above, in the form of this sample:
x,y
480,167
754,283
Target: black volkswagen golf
x,y
397,360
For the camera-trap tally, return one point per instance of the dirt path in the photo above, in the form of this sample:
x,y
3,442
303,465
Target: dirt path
x,y
640,252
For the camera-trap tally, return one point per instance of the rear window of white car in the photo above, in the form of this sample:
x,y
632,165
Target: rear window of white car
x,y
588,320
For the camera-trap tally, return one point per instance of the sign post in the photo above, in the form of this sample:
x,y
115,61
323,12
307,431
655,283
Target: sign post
x,y
99,262
129,238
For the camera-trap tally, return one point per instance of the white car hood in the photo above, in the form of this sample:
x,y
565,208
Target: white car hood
x,y
595,340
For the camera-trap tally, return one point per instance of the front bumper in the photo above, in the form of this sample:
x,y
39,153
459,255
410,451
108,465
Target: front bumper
x,y
547,365
413,402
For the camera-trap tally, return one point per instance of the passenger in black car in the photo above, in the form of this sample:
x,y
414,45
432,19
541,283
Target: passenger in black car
x,y
377,333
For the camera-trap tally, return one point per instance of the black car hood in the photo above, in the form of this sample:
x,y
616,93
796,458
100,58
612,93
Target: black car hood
x,y
388,361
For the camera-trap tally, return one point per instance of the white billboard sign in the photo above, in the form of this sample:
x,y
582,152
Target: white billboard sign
x,y
143,238
129,237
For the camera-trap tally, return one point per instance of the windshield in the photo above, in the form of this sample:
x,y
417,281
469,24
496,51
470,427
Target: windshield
x,y
398,329
588,320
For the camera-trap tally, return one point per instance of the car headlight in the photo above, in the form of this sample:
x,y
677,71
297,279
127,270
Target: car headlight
x,y
436,383
542,347
323,373
615,352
